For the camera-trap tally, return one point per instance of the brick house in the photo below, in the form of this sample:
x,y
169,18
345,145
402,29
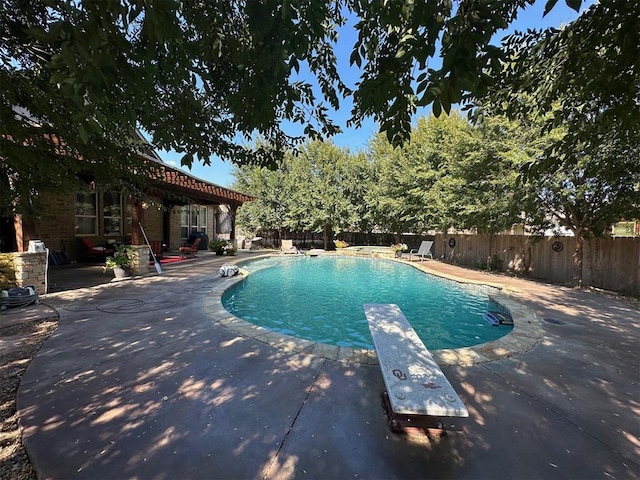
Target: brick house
x,y
170,209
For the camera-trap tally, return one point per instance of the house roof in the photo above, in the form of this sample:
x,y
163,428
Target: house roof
x,y
183,184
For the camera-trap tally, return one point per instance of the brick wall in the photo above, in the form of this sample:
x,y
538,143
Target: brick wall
x,y
174,229
56,228
151,220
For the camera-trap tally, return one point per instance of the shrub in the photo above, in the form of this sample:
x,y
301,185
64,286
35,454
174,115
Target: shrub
x,y
217,245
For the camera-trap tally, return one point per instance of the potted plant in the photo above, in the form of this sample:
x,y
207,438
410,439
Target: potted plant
x,y
218,245
341,244
119,262
398,248
230,249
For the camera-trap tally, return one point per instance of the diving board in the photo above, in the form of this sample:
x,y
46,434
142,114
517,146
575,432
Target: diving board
x,y
416,386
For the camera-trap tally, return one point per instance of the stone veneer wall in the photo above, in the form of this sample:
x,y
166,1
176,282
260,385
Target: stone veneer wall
x,y
28,269
140,260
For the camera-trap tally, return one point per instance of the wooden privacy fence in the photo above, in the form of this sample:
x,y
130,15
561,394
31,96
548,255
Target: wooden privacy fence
x,y
610,263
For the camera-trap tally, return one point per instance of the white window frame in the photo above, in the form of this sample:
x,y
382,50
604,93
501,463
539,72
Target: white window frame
x,y
196,220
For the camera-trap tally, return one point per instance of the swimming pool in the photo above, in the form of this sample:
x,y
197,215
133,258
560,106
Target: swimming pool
x,y
321,298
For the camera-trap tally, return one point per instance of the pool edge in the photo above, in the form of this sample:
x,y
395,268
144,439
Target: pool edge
x,y
526,332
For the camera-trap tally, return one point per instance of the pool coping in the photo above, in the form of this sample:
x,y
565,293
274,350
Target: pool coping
x,y
526,332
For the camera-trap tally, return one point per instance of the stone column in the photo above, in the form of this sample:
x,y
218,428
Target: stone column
x,y
140,259
28,269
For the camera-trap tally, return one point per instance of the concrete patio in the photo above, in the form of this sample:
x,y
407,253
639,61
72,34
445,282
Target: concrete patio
x,y
138,381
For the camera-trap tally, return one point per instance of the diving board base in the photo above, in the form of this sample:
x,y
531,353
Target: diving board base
x,y
406,423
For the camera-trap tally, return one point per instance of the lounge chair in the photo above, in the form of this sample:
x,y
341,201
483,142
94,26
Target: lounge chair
x,y
423,251
288,247
190,250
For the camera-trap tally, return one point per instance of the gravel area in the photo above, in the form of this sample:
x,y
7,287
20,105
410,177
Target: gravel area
x,y
19,342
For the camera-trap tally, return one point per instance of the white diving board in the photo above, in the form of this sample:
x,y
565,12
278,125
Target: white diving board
x,y
415,384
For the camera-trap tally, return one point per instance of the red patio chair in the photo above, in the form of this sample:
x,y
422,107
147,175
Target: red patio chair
x,y
93,250
190,250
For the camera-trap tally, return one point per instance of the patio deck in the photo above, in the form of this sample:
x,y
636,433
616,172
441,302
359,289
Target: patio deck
x,y
138,381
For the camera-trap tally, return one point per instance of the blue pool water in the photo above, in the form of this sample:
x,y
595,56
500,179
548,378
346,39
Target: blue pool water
x,y
321,298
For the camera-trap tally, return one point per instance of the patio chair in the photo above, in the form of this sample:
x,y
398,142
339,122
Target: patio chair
x,y
423,251
96,251
190,250
288,247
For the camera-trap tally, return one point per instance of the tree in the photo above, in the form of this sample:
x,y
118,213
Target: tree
x,y
584,78
325,177
402,195
486,172
199,77
589,192
202,78
320,189
270,209
578,90
390,205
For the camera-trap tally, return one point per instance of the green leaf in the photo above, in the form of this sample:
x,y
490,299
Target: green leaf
x,y
549,6
84,135
574,4
186,160
436,108
355,58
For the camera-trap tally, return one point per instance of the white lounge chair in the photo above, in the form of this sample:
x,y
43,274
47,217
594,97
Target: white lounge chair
x,y
423,251
288,247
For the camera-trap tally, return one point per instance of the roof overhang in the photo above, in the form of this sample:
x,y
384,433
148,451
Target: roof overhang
x,y
180,184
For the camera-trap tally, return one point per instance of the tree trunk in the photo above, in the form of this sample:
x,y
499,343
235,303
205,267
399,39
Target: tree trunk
x,y
490,250
578,255
398,237
526,257
326,236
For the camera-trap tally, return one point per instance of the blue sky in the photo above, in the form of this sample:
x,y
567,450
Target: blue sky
x,y
220,172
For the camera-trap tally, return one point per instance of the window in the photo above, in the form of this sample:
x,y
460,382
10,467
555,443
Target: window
x,y
86,212
202,227
195,211
193,218
112,213
184,223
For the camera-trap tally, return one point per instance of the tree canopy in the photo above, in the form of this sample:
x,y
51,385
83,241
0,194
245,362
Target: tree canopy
x,y
584,78
204,78
453,174
320,190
